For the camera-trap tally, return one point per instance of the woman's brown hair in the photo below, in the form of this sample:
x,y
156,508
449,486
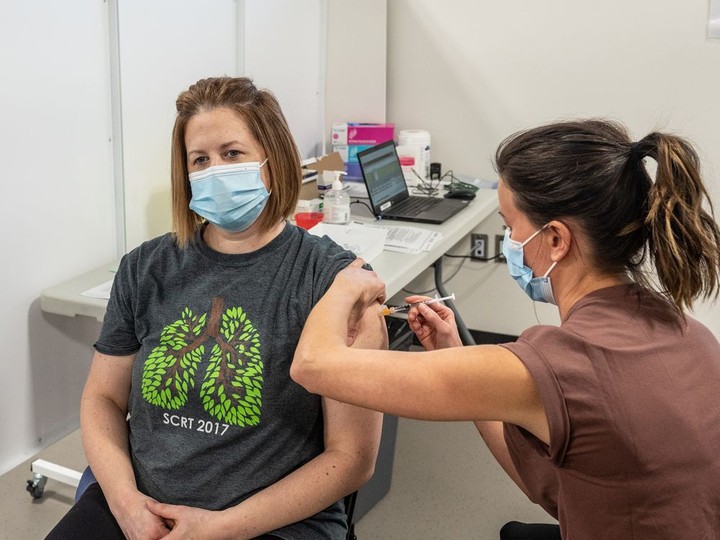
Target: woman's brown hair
x,y
263,116
590,172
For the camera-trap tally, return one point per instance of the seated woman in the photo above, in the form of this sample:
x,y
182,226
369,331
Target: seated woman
x,y
189,418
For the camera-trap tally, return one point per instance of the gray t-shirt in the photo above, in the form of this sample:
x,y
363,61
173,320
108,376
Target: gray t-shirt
x,y
214,415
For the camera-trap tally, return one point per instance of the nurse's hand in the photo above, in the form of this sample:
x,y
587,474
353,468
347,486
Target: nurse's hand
x,y
362,285
359,287
433,324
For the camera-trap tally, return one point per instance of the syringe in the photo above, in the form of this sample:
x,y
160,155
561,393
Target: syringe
x,y
384,310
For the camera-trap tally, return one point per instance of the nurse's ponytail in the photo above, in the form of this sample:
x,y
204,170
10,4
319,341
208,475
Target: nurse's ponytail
x,y
683,239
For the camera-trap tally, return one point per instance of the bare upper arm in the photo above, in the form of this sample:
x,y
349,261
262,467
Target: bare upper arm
x,y
498,386
356,429
493,382
353,430
109,379
371,332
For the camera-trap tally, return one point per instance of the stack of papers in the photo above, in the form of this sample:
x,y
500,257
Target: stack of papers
x,y
409,239
368,241
363,240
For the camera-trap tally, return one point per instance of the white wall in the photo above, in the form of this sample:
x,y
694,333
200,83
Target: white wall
x,y
164,48
298,86
57,208
355,81
474,72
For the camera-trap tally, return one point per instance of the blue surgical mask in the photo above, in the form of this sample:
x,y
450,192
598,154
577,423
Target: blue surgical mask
x,y
537,288
229,196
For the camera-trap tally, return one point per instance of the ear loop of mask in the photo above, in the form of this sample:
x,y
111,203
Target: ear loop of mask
x,y
553,265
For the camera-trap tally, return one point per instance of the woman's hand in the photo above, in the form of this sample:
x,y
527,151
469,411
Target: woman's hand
x,y
187,522
139,523
433,324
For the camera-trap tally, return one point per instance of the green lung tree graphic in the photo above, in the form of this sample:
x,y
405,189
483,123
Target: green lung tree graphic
x,y
168,373
231,391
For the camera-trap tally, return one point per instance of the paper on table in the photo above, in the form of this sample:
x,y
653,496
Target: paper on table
x,y
363,240
101,291
409,239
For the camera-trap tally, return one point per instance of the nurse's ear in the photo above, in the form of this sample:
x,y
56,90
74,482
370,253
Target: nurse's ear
x,y
559,239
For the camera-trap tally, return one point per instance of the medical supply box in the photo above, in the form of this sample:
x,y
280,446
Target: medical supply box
x,y
349,138
355,133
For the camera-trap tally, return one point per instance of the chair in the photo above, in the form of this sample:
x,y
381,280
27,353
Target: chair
x,y
88,478
349,511
515,530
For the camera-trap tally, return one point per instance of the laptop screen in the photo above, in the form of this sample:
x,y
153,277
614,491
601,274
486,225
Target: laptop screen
x,y
383,175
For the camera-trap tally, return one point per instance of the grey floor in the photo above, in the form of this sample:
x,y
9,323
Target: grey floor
x,y
445,485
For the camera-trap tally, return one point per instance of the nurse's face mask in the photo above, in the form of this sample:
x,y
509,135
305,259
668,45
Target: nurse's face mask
x,y
229,196
538,289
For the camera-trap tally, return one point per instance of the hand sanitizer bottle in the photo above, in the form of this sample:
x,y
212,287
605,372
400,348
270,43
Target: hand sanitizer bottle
x,y
336,204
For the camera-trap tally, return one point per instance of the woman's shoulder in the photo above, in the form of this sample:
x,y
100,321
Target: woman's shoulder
x,y
150,250
164,241
322,246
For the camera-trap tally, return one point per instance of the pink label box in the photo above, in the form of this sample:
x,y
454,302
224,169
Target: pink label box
x,y
357,133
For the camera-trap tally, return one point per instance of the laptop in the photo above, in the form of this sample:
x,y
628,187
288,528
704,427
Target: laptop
x,y
388,192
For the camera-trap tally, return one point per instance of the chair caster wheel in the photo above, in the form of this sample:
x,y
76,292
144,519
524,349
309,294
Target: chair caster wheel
x,y
36,486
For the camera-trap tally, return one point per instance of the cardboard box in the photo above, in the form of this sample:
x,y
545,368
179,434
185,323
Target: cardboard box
x,y
322,170
361,133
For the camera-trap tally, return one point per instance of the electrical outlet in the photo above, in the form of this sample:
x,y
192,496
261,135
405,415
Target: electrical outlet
x,y
478,246
499,257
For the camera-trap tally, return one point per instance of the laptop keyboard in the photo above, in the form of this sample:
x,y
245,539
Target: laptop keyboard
x,y
414,205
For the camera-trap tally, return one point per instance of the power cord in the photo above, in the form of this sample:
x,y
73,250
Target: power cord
x,y
426,187
445,281
456,183
483,259
366,205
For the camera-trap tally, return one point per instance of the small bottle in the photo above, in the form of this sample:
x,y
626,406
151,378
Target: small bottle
x,y
336,205
407,164
325,181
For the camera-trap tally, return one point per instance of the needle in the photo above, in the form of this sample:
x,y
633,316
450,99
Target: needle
x,y
384,310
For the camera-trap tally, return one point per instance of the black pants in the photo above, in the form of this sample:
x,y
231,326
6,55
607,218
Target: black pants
x,y
514,530
90,517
